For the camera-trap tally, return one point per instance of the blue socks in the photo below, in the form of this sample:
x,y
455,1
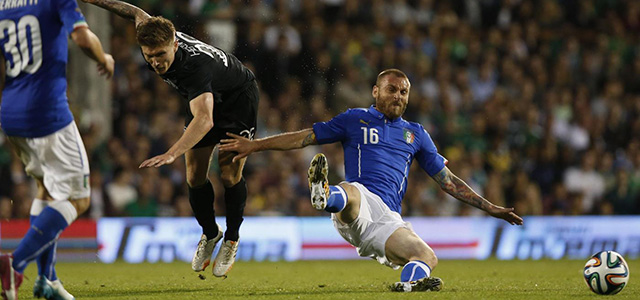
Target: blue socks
x,y
337,199
46,261
414,270
41,237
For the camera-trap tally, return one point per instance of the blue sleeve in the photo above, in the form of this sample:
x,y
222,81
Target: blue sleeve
x,y
428,157
70,15
332,131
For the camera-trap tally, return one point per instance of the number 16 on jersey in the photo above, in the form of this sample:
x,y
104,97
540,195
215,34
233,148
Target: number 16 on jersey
x,y
370,135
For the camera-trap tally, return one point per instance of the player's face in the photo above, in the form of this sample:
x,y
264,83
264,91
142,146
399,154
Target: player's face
x,y
392,96
160,58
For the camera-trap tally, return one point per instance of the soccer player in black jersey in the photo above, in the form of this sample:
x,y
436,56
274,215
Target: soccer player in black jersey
x,y
223,97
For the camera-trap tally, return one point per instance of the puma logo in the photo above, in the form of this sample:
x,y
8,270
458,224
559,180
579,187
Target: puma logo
x,y
363,122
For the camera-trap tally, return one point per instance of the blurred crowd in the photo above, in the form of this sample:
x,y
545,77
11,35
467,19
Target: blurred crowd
x,y
536,104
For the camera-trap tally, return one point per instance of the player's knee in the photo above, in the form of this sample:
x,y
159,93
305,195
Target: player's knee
x,y
81,205
194,179
353,194
196,182
432,261
230,179
428,257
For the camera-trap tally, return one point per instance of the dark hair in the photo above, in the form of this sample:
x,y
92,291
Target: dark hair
x,y
155,32
386,72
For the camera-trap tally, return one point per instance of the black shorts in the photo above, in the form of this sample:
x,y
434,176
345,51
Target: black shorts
x,y
237,113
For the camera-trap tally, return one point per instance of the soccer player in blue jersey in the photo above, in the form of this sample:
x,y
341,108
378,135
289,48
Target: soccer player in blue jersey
x,y
35,115
379,147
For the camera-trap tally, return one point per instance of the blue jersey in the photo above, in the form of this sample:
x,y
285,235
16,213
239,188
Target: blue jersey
x,y
33,39
378,152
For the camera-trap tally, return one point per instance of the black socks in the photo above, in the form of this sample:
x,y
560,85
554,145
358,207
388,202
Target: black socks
x,y
201,199
235,199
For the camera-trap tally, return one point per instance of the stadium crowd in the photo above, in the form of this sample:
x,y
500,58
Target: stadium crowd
x,y
536,104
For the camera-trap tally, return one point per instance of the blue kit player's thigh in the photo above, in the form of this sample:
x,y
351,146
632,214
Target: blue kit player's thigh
x,y
59,159
373,226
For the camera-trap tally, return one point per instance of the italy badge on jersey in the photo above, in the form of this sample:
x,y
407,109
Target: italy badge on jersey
x,y
409,136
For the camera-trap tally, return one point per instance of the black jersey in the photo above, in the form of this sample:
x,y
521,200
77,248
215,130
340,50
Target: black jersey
x,y
200,68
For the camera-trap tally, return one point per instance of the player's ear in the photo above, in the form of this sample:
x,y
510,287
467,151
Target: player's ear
x,y
374,92
175,45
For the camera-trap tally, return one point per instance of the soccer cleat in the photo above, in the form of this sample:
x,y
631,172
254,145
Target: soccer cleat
x,y
225,258
50,290
202,257
318,182
42,288
420,285
59,293
11,280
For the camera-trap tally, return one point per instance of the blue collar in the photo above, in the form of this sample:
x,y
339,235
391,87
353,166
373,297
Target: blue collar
x,y
376,113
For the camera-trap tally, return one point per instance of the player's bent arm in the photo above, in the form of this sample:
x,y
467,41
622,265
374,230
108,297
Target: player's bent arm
x,y
202,109
123,9
457,188
91,46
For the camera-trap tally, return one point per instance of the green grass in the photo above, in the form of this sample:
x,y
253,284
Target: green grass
x,y
363,279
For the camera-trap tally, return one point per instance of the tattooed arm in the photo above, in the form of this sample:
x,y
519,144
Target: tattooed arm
x,y
123,9
284,141
457,188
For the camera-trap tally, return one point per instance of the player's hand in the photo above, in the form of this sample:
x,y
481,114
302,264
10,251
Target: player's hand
x,y
158,161
506,214
240,144
107,67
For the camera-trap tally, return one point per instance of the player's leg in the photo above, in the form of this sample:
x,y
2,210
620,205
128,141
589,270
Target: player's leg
x,y
235,198
47,284
237,114
201,196
343,199
46,260
405,247
60,165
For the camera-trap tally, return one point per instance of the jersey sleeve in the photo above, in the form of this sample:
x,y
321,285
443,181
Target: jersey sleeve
x,y
70,15
199,82
219,76
428,157
332,131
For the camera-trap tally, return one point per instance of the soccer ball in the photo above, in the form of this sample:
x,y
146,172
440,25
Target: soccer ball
x,y
606,273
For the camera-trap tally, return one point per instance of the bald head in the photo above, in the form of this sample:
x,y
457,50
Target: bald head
x,y
391,72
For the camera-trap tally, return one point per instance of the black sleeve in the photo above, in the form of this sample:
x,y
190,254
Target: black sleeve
x,y
198,82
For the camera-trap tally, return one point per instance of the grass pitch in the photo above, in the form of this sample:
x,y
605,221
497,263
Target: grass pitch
x,y
360,279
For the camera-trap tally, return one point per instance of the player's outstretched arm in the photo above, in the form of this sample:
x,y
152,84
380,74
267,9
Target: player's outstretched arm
x,y
123,9
202,109
284,141
457,188
91,46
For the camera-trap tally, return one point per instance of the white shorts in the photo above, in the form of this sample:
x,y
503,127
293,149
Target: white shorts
x,y
374,225
59,160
